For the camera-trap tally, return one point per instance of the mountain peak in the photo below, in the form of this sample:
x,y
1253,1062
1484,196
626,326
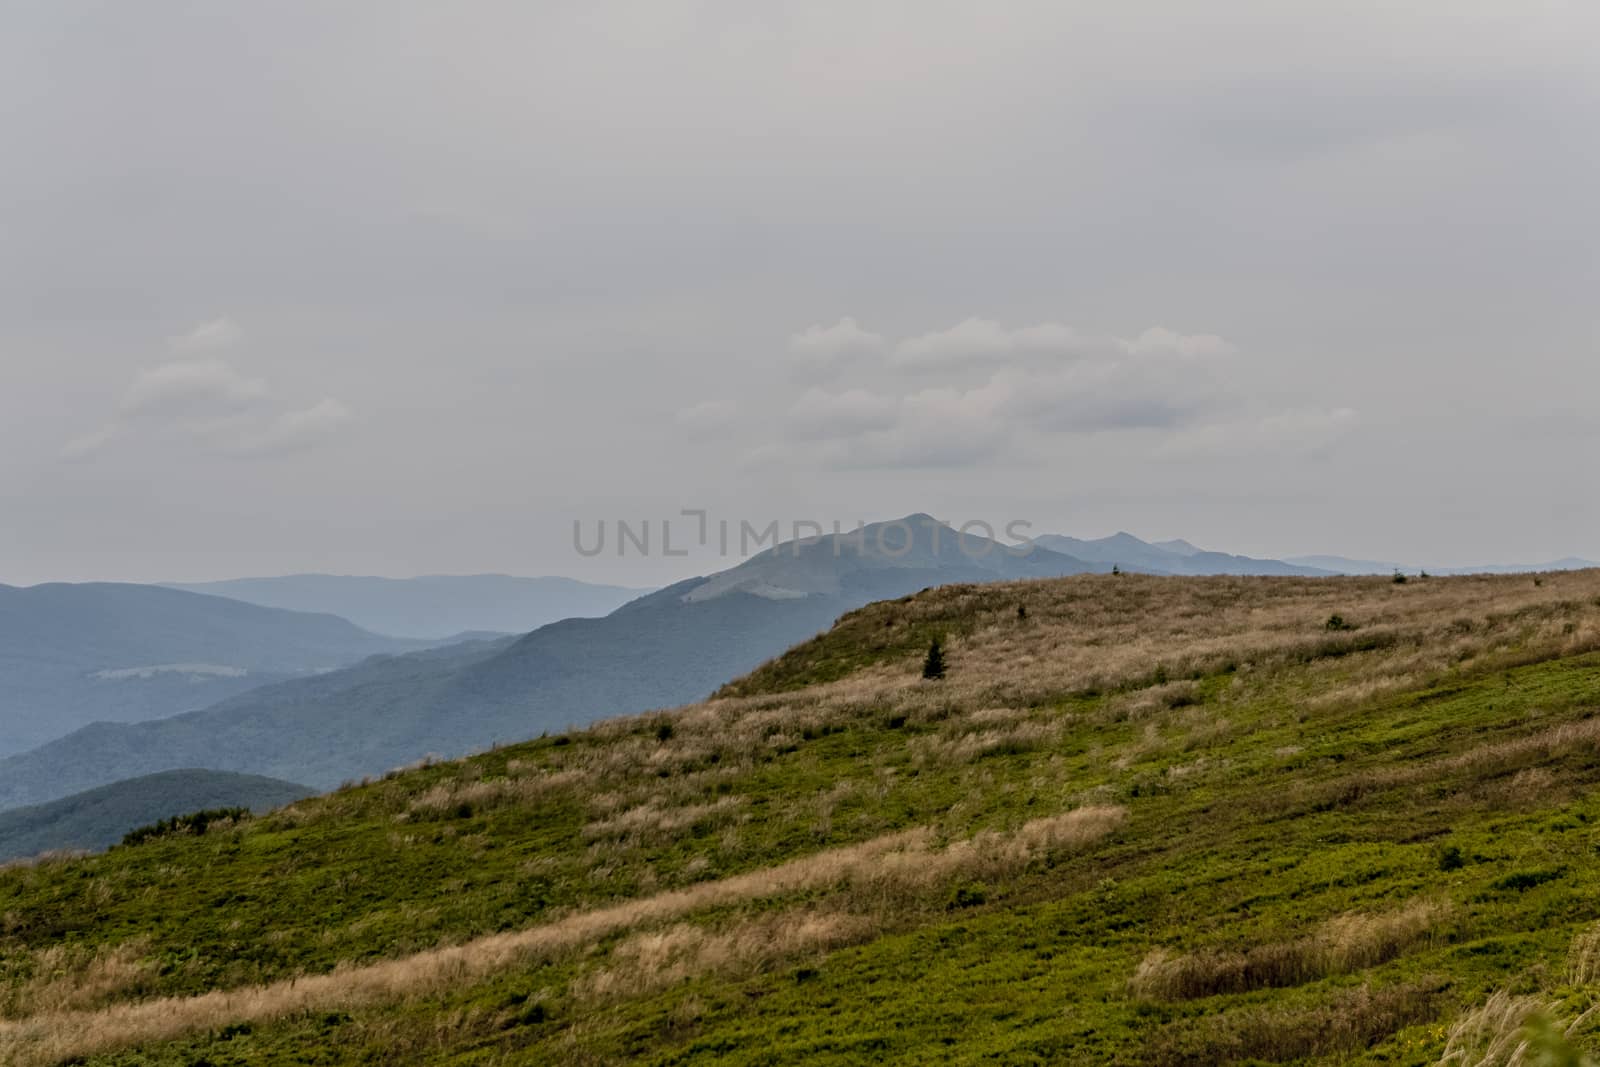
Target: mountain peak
x,y
1178,546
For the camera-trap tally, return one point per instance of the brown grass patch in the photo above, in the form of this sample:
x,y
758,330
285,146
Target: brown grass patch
x,y
1341,945
875,872
72,978
648,962
1351,1022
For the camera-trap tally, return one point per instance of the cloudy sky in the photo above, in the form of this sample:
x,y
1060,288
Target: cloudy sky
x,y
401,287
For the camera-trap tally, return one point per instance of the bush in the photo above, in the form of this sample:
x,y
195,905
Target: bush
x,y
968,896
1517,881
933,664
194,823
1336,623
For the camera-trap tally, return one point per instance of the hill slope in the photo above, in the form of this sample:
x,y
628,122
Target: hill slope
x,y
432,606
665,649
1151,821
76,654
99,818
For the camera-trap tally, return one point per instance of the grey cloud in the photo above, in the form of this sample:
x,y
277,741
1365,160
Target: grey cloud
x,y
821,414
542,230
191,387
985,339
291,430
820,351
1158,380
208,401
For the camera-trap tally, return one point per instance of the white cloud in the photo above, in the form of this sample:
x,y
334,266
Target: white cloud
x,y
978,339
210,336
1114,394
986,340
943,427
90,443
292,430
209,402
1158,340
191,386
818,351
967,339
821,414
1159,380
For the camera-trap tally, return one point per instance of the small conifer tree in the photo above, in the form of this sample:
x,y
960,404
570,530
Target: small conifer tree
x,y
933,666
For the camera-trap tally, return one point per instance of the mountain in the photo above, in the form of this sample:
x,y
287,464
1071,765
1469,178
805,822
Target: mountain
x,y
433,606
75,654
100,817
668,648
1179,547
1341,565
1170,557
1154,821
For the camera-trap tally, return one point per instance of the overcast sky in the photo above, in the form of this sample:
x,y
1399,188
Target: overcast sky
x,y
403,287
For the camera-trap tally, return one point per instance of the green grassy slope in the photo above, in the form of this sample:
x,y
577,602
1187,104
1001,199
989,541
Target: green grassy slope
x,y
1306,846
100,817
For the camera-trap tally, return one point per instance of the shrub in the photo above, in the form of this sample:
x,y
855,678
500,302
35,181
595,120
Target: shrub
x,y
194,823
1451,859
933,664
1518,881
1337,623
968,896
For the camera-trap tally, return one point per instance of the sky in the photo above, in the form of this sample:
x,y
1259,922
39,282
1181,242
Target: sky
x,y
404,287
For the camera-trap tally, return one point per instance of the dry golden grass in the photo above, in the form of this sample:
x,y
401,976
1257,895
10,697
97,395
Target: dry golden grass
x,y
1481,763
1349,1023
1139,641
1341,945
71,978
875,874
647,962
1583,958
1136,638
1495,1034
652,822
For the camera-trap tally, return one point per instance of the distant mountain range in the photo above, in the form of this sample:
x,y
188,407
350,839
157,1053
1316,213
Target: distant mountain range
x,y
1341,565
433,606
1181,557
128,653
71,655
1170,557
99,818
668,648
